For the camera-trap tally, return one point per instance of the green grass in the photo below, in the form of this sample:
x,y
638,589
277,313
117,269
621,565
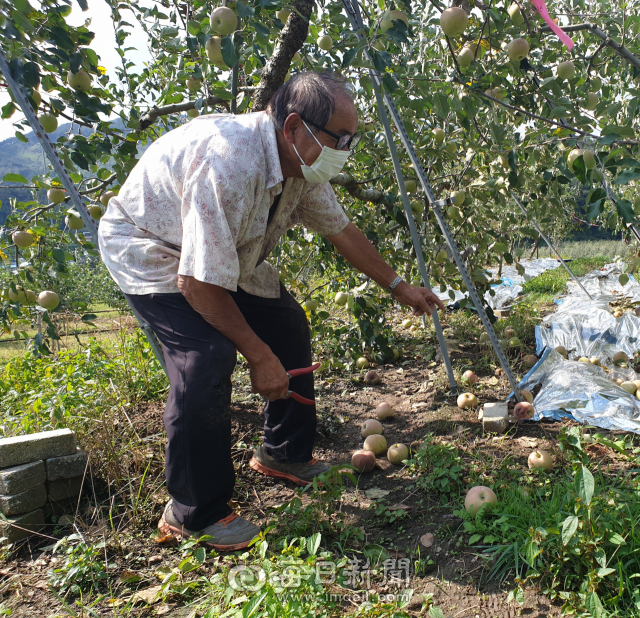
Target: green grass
x,y
551,283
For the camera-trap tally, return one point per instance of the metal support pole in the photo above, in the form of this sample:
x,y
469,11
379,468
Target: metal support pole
x,y
417,245
550,245
353,13
67,183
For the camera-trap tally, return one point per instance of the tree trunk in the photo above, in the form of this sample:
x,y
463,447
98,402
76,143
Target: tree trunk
x,y
293,36
535,247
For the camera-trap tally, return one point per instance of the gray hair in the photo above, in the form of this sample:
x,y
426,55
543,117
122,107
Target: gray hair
x,y
310,94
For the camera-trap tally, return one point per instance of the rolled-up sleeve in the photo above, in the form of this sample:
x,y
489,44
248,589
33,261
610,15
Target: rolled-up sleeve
x,y
319,211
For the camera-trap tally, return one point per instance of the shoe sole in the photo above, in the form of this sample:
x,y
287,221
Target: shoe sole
x,y
179,533
258,467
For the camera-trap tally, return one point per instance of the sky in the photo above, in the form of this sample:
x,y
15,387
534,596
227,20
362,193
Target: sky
x,y
104,45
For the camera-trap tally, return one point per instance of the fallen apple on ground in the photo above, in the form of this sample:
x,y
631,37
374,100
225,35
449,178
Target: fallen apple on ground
x,y
527,395
540,459
362,363
467,400
397,453
364,461
372,378
620,357
375,443
385,411
562,351
479,497
594,360
530,360
470,377
407,323
370,427
630,387
524,411
584,359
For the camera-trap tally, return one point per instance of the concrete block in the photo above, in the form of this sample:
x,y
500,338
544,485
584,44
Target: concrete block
x,y
66,467
23,502
495,417
32,447
64,489
20,478
22,526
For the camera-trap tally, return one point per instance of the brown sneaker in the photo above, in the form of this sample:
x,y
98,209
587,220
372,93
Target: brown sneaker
x,y
229,534
299,473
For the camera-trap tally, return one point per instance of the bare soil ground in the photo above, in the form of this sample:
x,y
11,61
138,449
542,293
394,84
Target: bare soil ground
x,y
454,573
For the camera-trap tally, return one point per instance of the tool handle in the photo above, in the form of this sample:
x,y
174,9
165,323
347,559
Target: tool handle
x,y
301,399
297,372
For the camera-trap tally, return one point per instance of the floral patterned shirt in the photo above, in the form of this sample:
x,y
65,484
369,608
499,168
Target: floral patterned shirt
x,y
197,204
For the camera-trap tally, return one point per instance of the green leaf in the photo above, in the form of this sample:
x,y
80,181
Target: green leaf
x,y
620,131
625,210
474,539
8,110
313,542
585,484
229,52
569,528
623,279
22,137
441,105
390,84
244,10
605,572
594,605
250,607
616,539
436,612
14,178
626,176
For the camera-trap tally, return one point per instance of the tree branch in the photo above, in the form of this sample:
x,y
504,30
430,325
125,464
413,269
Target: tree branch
x,y
355,189
149,118
620,49
294,35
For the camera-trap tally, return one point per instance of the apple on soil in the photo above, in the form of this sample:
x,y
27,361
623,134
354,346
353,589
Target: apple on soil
x,y
467,400
385,411
372,378
363,460
479,497
22,239
407,323
362,363
397,453
524,411
470,377
370,427
453,21
530,360
540,459
223,21
375,443
528,396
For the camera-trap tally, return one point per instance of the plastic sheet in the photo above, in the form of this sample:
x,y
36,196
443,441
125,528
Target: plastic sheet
x,y
581,391
511,283
604,284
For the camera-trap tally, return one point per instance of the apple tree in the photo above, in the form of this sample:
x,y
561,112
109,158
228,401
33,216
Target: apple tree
x,y
495,104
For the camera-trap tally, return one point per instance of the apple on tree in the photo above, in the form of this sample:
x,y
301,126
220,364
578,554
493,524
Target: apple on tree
x,y
439,135
394,15
48,300
453,21
80,81
515,14
325,43
465,57
518,49
49,122
223,21
341,299
22,239
213,49
566,70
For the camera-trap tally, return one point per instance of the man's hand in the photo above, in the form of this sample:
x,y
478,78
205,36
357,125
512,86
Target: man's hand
x,y
421,300
269,378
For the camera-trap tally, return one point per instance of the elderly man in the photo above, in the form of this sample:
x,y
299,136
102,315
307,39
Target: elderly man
x,y
187,240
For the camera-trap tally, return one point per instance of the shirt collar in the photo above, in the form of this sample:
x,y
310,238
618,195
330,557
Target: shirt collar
x,y
270,144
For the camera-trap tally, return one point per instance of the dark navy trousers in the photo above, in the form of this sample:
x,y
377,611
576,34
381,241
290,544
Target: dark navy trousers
x,y
200,362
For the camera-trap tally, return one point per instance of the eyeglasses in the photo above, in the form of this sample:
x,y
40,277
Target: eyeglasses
x,y
342,141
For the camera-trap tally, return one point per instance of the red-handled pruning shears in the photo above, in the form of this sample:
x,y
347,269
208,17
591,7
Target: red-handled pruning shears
x,y
292,373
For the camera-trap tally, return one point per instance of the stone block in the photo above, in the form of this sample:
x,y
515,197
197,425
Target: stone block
x,y
32,447
23,502
20,478
495,417
22,526
64,489
66,467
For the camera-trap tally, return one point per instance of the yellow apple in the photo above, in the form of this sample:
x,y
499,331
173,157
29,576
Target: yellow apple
x,y
453,21
223,20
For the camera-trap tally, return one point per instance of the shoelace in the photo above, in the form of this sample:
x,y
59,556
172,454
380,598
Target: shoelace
x,y
227,520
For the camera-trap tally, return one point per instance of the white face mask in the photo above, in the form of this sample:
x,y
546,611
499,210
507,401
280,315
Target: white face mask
x,y
328,164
